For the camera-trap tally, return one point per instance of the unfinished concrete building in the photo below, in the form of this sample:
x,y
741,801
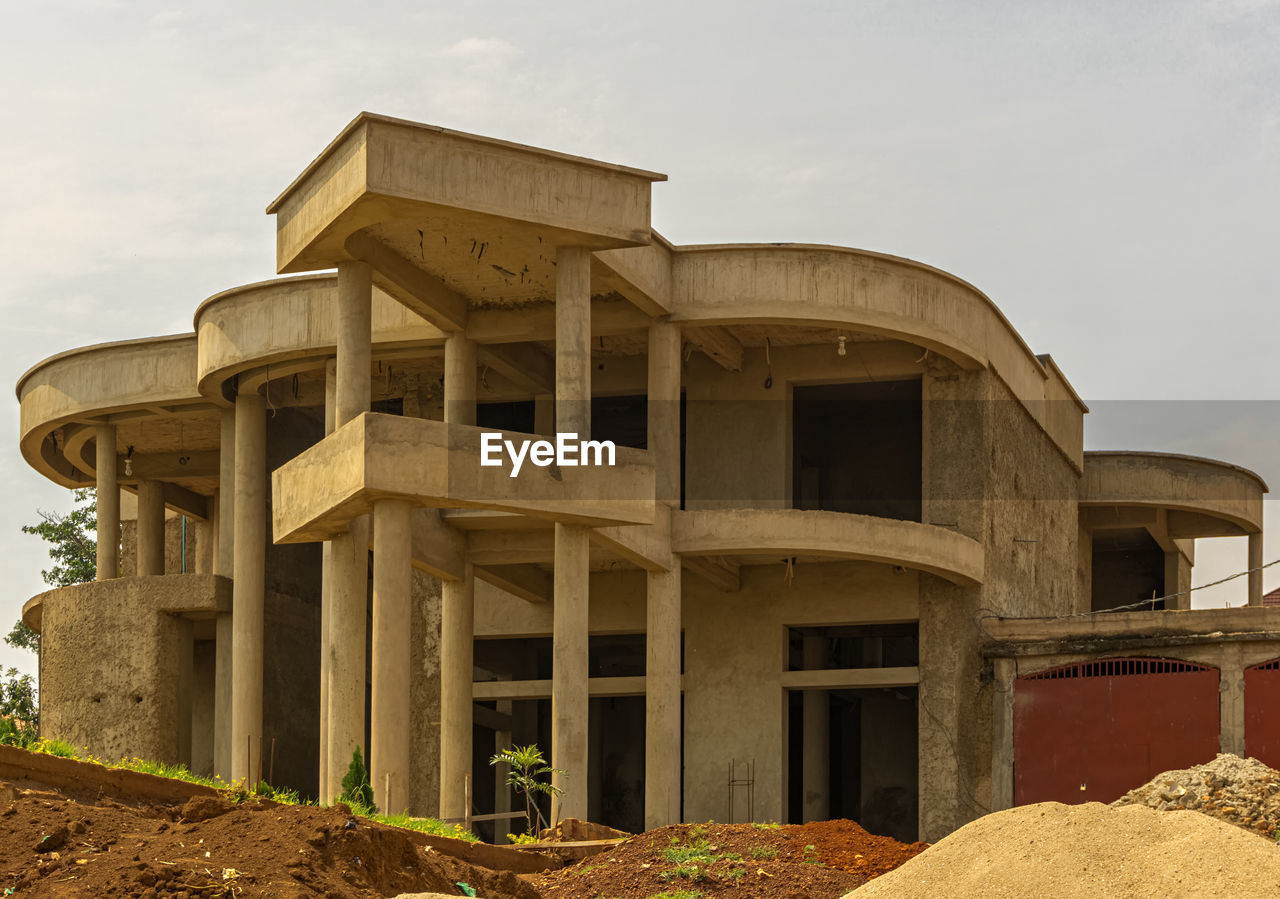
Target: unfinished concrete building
x,y
849,543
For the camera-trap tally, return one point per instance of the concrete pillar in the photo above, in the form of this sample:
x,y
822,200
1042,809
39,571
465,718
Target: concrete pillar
x,y
389,718
816,746
108,497
224,565
665,343
457,672
1231,723
569,692
459,380
249,585
662,763
1002,735
348,599
544,414
355,336
573,340
326,600
349,552
569,670
1255,569
150,528
457,606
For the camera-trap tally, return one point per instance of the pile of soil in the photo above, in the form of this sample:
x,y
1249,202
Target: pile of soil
x,y
1050,849
1243,792
54,844
733,861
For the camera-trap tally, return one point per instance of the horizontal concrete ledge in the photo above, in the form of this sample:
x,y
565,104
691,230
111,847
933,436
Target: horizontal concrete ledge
x,y
1186,484
1206,623
850,678
196,595
831,535
541,689
434,464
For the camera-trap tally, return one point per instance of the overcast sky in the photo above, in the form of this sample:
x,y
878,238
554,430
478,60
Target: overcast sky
x,y
1109,174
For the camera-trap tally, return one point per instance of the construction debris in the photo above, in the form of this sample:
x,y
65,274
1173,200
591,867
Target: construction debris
x,y
1243,792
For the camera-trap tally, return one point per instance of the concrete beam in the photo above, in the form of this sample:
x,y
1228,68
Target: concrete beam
x,y
483,716
486,690
721,346
641,274
190,503
715,570
425,294
849,678
523,364
528,582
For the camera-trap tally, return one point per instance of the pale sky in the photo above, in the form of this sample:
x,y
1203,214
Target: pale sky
x,y
1108,173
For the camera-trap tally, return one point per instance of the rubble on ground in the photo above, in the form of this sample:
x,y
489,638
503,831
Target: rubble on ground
x,y
1243,792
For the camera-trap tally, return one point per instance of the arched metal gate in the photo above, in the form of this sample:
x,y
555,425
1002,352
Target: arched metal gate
x,y
1262,712
1092,731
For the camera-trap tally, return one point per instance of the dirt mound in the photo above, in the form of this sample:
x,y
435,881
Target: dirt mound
x,y
1052,849
52,845
1243,792
733,861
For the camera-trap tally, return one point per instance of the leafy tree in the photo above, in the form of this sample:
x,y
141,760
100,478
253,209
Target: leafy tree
x,y
72,540
19,713
356,789
528,768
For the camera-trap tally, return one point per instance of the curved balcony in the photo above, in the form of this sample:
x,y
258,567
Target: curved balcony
x,y
815,535
1202,497
143,386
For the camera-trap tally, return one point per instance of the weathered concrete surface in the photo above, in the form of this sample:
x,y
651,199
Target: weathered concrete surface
x,y
109,675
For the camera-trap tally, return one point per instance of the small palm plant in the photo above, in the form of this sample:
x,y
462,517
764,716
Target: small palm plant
x,y
526,777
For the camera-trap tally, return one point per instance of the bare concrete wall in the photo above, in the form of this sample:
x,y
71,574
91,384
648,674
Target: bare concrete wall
x,y
110,670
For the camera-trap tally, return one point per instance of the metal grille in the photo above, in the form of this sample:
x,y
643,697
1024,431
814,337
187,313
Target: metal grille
x,y
1121,667
1273,665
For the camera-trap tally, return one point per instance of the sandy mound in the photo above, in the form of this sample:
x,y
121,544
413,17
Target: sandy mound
x,y
1052,849
1243,792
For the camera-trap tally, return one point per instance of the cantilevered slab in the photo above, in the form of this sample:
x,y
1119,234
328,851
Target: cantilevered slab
x,y
420,188
434,464
832,535
1203,497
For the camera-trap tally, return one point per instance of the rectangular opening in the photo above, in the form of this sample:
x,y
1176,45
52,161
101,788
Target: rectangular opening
x,y
622,419
893,645
857,448
1128,568
529,658
853,754
516,416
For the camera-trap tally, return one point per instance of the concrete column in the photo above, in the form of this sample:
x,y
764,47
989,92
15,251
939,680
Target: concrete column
x,y
569,693
150,528
665,343
249,585
816,747
1255,569
1231,723
355,335
459,380
573,340
457,606
389,718
662,766
457,672
544,414
108,497
348,598
1002,736
326,600
224,565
